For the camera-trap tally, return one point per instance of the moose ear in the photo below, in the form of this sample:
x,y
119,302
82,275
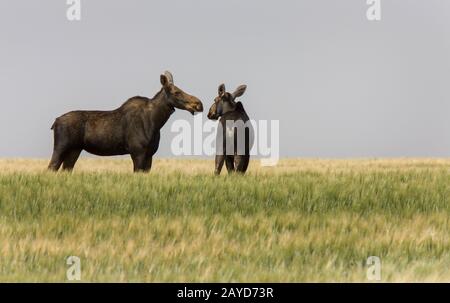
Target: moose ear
x,y
164,81
221,90
169,76
239,91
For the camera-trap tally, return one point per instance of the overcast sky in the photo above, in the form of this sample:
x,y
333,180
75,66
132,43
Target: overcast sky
x,y
340,85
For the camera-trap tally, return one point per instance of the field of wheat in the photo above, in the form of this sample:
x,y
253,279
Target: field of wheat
x,y
303,220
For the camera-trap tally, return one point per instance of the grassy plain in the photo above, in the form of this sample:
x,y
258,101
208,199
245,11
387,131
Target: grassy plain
x,y
303,220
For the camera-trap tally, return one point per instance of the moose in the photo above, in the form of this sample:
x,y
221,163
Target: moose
x,y
232,127
133,128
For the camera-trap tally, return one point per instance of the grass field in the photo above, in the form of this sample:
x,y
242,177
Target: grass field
x,y
304,220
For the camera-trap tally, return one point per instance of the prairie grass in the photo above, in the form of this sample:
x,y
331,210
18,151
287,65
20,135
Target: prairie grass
x,y
303,220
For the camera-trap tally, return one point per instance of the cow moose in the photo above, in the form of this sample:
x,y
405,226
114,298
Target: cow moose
x,y
233,127
133,128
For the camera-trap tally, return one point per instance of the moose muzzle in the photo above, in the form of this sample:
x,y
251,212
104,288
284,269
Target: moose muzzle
x,y
195,106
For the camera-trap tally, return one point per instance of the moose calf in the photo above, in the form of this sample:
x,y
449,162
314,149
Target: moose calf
x,y
233,131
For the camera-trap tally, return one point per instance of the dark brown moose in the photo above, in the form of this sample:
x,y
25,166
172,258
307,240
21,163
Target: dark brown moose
x,y
231,113
133,128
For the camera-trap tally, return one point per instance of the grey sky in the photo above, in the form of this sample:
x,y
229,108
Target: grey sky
x,y
340,85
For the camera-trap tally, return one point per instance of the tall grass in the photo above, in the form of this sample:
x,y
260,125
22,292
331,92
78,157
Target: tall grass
x,y
304,220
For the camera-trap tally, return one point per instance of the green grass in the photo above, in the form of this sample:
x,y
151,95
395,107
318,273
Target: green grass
x,y
319,223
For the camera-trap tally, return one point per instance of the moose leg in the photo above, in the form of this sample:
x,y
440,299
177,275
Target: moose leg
x,y
59,153
57,159
241,163
70,159
148,164
139,161
229,163
60,147
219,164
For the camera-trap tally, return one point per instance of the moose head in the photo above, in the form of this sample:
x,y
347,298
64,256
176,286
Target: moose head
x,y
225,102
177,97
